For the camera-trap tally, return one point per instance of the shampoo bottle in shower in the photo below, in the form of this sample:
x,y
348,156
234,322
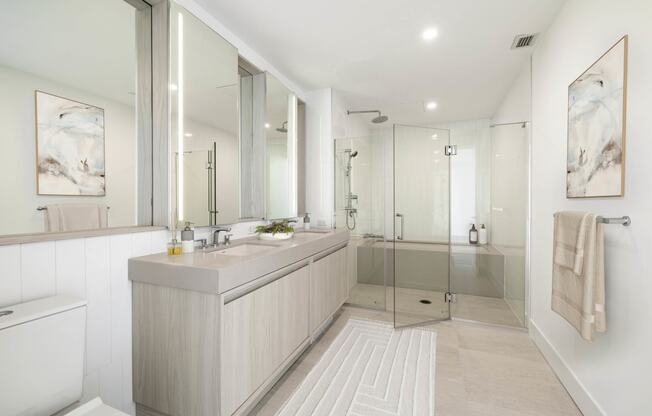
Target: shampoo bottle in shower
x,y
473,235
482,234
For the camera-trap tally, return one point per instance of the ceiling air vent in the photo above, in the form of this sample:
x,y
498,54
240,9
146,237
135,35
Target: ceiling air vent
x,y
523,41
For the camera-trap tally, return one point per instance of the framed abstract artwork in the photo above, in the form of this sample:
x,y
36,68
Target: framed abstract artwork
x,y
69,147
596,127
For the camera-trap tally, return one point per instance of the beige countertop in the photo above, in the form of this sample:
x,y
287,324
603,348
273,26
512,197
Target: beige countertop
x,y
220,270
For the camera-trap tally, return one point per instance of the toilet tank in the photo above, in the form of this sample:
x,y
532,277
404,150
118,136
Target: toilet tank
x,y
41,355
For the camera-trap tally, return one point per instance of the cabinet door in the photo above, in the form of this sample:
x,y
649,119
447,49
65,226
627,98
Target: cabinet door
x,y
321,292
328,287
261,330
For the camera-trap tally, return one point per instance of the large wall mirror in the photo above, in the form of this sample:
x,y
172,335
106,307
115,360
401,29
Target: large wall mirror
x,y
281,156
204,131
235,148
74,75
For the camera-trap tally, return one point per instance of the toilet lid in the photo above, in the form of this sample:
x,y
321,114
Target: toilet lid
x,y
95,407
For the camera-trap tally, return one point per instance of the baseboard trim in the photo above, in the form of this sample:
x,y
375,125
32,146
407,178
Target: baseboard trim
x,y
583,399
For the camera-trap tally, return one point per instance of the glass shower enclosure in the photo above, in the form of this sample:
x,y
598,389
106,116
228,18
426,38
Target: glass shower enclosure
x,y
421,222
409,196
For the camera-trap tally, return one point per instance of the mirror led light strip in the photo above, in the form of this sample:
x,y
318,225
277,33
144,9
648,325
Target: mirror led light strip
x,y
180,115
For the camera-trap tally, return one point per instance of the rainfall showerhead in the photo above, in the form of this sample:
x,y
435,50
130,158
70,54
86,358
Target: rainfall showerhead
x,y
376,120
283,128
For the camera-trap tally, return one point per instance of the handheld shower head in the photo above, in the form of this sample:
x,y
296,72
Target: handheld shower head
x,y
283,128
354,154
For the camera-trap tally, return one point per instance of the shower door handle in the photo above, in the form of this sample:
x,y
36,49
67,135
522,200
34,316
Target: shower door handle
x,y
398,215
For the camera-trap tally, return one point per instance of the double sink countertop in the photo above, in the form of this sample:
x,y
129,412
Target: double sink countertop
x,y
220,269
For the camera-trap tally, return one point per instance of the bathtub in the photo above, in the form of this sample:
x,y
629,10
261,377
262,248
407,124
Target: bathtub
x,y
475,270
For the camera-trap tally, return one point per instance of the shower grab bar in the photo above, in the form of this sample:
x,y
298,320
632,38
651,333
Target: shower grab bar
x,y
398,215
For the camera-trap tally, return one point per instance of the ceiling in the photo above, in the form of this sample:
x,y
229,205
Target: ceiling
x,y
373,53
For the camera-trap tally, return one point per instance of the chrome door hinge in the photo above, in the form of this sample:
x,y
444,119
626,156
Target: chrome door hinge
x,y
450,149
450,297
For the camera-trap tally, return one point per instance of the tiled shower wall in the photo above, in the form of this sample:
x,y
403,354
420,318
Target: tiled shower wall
x,y
94,269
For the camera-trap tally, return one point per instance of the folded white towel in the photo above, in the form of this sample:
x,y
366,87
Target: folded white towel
x,y
75,217
578,286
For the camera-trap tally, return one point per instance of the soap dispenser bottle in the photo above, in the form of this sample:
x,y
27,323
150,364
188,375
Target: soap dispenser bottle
x,y
188,239
306,221
473,235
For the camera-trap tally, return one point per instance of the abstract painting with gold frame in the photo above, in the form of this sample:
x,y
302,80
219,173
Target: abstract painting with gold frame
x,y
596,127
69,147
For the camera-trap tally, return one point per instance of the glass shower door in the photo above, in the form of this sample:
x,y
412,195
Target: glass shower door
x,y
421,223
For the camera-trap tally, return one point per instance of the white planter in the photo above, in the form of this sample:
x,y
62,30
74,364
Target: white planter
x,y
275,237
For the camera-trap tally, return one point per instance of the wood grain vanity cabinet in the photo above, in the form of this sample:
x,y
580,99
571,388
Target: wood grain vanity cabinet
x,y
260,331
201,354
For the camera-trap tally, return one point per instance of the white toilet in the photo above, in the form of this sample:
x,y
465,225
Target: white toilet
x,y
42,359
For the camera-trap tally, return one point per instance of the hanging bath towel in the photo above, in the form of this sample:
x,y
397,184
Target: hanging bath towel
x,y
578,286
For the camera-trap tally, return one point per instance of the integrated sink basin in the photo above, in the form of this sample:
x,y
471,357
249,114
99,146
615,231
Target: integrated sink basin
x,y
246,249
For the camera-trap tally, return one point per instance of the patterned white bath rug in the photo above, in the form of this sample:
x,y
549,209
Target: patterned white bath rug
x,y
370,369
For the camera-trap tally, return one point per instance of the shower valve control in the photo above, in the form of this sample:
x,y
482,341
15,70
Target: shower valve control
x,y
450,297
450,150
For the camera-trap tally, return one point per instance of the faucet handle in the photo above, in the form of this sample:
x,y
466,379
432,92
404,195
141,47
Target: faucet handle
x,y
227,239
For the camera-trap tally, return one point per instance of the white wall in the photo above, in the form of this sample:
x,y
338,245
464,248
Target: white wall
x,y
515,105
613,374
18,204
321,130
344,125
319,157
94,269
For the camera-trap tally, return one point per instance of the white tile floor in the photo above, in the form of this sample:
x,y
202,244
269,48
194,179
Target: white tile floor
x,y
474,308
481,371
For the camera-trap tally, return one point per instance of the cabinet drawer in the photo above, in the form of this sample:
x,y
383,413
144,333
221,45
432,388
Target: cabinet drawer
x,y
260,330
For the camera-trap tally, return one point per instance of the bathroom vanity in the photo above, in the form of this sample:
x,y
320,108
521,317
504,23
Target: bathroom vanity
x,y
215,329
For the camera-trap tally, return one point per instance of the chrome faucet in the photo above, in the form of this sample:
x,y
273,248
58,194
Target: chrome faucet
x,y
216,234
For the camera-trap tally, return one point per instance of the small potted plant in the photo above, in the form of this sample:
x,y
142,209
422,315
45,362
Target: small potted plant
x,y
277,230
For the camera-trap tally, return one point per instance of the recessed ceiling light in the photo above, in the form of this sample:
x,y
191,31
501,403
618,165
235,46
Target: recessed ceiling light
x,y
188,134
429,34
266,125
435,136
431,105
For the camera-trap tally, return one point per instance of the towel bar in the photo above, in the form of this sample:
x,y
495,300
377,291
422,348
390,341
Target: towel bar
x,y
624,220
42,208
